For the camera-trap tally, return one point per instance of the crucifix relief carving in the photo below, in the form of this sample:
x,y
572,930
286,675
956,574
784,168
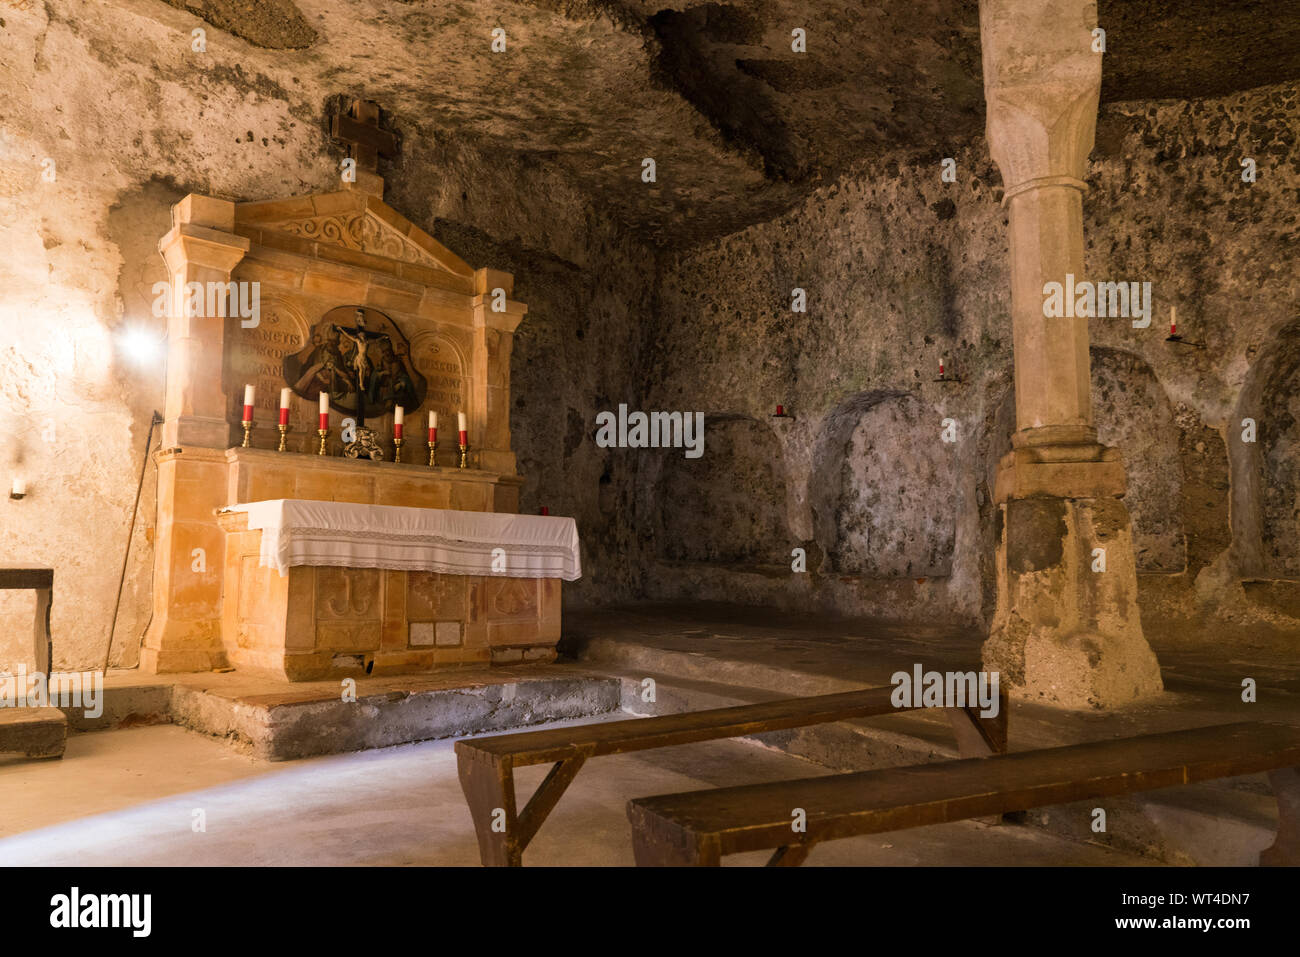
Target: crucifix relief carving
x,y
361,359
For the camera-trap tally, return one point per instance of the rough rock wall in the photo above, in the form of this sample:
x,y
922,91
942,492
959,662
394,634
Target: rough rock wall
x,y
901,268
239,123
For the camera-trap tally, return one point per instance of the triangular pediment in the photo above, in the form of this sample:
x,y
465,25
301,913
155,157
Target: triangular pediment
x,y
356,221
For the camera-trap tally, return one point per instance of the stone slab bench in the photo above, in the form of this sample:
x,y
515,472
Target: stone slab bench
x,y
701,827
33,732
486,765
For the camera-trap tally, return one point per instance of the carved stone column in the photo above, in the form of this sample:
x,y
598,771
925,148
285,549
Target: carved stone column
x,y
185,633
496,316
1067,630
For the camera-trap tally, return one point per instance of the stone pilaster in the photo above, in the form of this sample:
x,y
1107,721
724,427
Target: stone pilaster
x,y
1067,630
494,335
185,633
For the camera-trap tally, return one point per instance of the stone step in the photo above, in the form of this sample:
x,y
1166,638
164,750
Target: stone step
x,y
281,721
33,732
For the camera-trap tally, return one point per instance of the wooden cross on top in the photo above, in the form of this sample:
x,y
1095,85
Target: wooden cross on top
x,y
357,127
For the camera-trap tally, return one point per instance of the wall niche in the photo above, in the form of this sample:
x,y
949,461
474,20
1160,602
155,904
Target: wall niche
x,y
1266,473
1133,413
885,489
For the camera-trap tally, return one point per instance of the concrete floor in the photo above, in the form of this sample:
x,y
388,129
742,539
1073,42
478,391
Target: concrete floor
x,y
128,797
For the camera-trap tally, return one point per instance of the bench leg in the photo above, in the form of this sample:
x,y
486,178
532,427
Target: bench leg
x,y
545,797
489,788
656,846
792,855
41,631
1285,851
978,737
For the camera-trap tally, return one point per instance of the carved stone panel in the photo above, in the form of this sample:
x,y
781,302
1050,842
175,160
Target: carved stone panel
x,y
510,598
433,596
256,355
441,362
348,593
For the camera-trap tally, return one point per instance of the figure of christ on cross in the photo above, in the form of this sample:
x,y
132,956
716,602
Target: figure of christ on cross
x,y
358,358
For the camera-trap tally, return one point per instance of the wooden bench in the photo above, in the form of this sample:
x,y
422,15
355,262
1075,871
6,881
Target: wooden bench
x,y
701,827
41,581
486,765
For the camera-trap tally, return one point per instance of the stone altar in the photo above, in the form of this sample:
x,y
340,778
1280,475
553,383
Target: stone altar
x,y
316,590
309,256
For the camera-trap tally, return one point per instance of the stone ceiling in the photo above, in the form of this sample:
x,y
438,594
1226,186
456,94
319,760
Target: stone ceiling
x,y
738,124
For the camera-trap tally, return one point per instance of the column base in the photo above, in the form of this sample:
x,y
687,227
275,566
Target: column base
x,y
157,661
1067,631
1082,470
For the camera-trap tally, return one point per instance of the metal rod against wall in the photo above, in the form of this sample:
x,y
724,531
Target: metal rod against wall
x,y
155,420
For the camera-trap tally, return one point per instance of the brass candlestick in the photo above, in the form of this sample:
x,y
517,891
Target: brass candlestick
x,y
464,455
322,433
397,448
284,434
433,451
248,431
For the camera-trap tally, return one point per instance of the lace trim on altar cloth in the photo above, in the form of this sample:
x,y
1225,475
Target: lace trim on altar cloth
x,y
291,546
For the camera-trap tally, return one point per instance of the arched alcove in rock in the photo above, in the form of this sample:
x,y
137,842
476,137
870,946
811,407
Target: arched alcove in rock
x,y
884,488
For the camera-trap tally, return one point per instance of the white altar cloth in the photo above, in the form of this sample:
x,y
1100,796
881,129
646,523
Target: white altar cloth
x,y
303,532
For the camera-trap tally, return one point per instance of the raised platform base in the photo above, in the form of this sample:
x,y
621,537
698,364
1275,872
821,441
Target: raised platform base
x,y
279,722
33,732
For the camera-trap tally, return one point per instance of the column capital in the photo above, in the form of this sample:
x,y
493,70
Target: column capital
x,y
189,245
1042,84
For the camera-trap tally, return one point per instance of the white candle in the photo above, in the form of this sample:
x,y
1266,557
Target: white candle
x,y
433,420
399,416
324,403
460,422
248,395
284,398
19,486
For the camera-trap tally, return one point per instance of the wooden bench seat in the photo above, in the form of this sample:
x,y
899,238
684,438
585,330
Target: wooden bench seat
x,y
486,765
701,827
